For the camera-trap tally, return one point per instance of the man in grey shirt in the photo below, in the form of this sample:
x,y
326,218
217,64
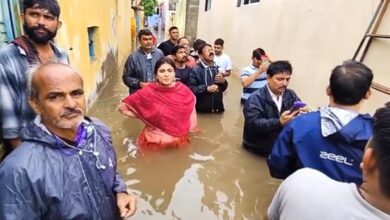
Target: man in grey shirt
x,y
139,67
309,194
40,19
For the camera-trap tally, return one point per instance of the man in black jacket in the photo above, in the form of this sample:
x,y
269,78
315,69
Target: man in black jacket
x,y
267,110
167,46
207,83
138,71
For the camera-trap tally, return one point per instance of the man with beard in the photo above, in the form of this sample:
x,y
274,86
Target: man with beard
x,y
207,83
139,67
65,167
40,24
180,57
267,110
185,42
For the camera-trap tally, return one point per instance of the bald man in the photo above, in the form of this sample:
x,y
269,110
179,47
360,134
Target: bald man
x,y
65,167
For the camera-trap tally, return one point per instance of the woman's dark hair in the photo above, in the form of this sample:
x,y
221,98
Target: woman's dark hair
x,y
51,5
161,61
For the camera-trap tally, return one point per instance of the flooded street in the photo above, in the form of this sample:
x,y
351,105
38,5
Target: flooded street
x,y
213,178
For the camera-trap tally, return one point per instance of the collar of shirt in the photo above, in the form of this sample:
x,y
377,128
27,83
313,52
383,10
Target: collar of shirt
x,y
277,99
253,67
205,65
152,51
222,54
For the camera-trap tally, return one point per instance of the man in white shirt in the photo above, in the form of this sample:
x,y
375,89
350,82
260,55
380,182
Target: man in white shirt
x,y
221,59
329,199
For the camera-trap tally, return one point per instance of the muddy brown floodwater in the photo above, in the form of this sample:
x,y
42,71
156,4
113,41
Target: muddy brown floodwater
x,y
213,178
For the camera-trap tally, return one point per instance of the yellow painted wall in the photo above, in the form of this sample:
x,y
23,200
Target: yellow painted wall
x,y
113,20
124,37
315,35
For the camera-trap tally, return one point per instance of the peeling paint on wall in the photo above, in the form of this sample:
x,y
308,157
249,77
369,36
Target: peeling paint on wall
x,y
108,69
112,18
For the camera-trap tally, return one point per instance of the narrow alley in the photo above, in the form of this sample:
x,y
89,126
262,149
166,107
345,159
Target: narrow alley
x,y
213,178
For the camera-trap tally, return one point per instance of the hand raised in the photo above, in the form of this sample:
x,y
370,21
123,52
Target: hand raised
x,y
219,78
287,116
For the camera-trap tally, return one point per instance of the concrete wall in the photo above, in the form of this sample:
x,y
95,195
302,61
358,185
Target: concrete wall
x,y
180,16
113,45
192,10
314,35
174,17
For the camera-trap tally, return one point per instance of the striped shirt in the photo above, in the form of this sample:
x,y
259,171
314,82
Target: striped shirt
x,y
257,84
15,112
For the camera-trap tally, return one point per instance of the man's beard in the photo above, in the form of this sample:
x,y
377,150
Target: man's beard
x,y
39,39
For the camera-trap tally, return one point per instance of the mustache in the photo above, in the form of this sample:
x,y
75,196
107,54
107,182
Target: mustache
x,y
40,27
70,111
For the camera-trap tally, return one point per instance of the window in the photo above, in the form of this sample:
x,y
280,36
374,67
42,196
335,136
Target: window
x,y
246,2
93,42
207,5
9,21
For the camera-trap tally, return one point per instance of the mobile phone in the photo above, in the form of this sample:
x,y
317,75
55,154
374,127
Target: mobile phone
x,y
297,105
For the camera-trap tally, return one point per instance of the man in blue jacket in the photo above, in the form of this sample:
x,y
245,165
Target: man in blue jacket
x,y
309,194
267,109
138,71
65,167
332,139
207,83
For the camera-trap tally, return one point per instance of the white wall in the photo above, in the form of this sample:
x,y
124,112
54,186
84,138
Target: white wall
x,y
314,35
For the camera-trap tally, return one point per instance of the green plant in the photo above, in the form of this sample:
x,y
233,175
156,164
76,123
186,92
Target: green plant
x,y
149,6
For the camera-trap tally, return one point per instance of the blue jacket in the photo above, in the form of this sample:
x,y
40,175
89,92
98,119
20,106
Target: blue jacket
x,y
262,125
200,78
44,179
301,144
135,69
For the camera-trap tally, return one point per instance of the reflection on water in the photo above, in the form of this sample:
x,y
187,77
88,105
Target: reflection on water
x,y
213,178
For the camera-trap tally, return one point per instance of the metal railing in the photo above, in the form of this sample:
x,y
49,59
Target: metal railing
x,y
369,36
